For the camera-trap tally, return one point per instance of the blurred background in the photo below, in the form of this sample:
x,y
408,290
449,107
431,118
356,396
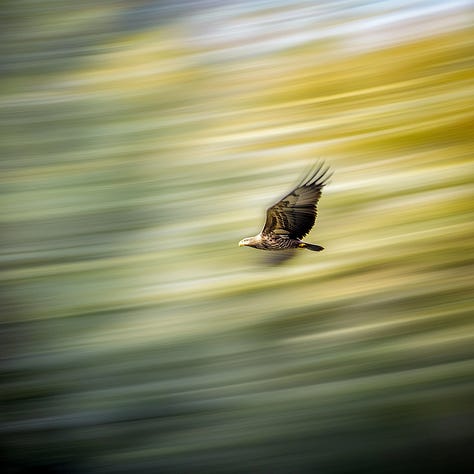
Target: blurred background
x,y
141,140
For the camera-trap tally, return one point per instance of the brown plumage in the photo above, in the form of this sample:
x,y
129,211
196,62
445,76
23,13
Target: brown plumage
x,y
291,218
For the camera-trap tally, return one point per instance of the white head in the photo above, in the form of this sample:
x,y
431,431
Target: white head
x,y
250,241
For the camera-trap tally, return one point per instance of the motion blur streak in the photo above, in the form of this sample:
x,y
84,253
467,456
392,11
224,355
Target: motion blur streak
x,y
140,142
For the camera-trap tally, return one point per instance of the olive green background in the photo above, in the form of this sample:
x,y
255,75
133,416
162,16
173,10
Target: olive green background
x,y
140,142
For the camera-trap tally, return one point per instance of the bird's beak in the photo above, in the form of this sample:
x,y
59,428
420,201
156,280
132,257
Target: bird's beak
x,y
241,243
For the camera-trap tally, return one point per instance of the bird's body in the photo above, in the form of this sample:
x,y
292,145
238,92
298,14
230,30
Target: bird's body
x,y
291,218
277,242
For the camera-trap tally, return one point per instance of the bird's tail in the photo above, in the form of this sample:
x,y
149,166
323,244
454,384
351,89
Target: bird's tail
x,y
314,247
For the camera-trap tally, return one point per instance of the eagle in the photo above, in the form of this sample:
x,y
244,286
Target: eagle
x,y
293,216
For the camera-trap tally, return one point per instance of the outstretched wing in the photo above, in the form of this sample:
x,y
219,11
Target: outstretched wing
x,y
295,214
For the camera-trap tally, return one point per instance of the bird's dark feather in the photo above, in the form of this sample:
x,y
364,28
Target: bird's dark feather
x,y
294,215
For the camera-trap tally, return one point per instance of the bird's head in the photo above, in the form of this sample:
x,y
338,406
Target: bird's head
x,y
250,241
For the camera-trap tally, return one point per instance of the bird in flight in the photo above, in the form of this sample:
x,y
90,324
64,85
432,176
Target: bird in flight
x,y
291,218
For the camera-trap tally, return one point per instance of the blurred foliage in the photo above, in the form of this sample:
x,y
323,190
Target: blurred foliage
x,y
140,142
